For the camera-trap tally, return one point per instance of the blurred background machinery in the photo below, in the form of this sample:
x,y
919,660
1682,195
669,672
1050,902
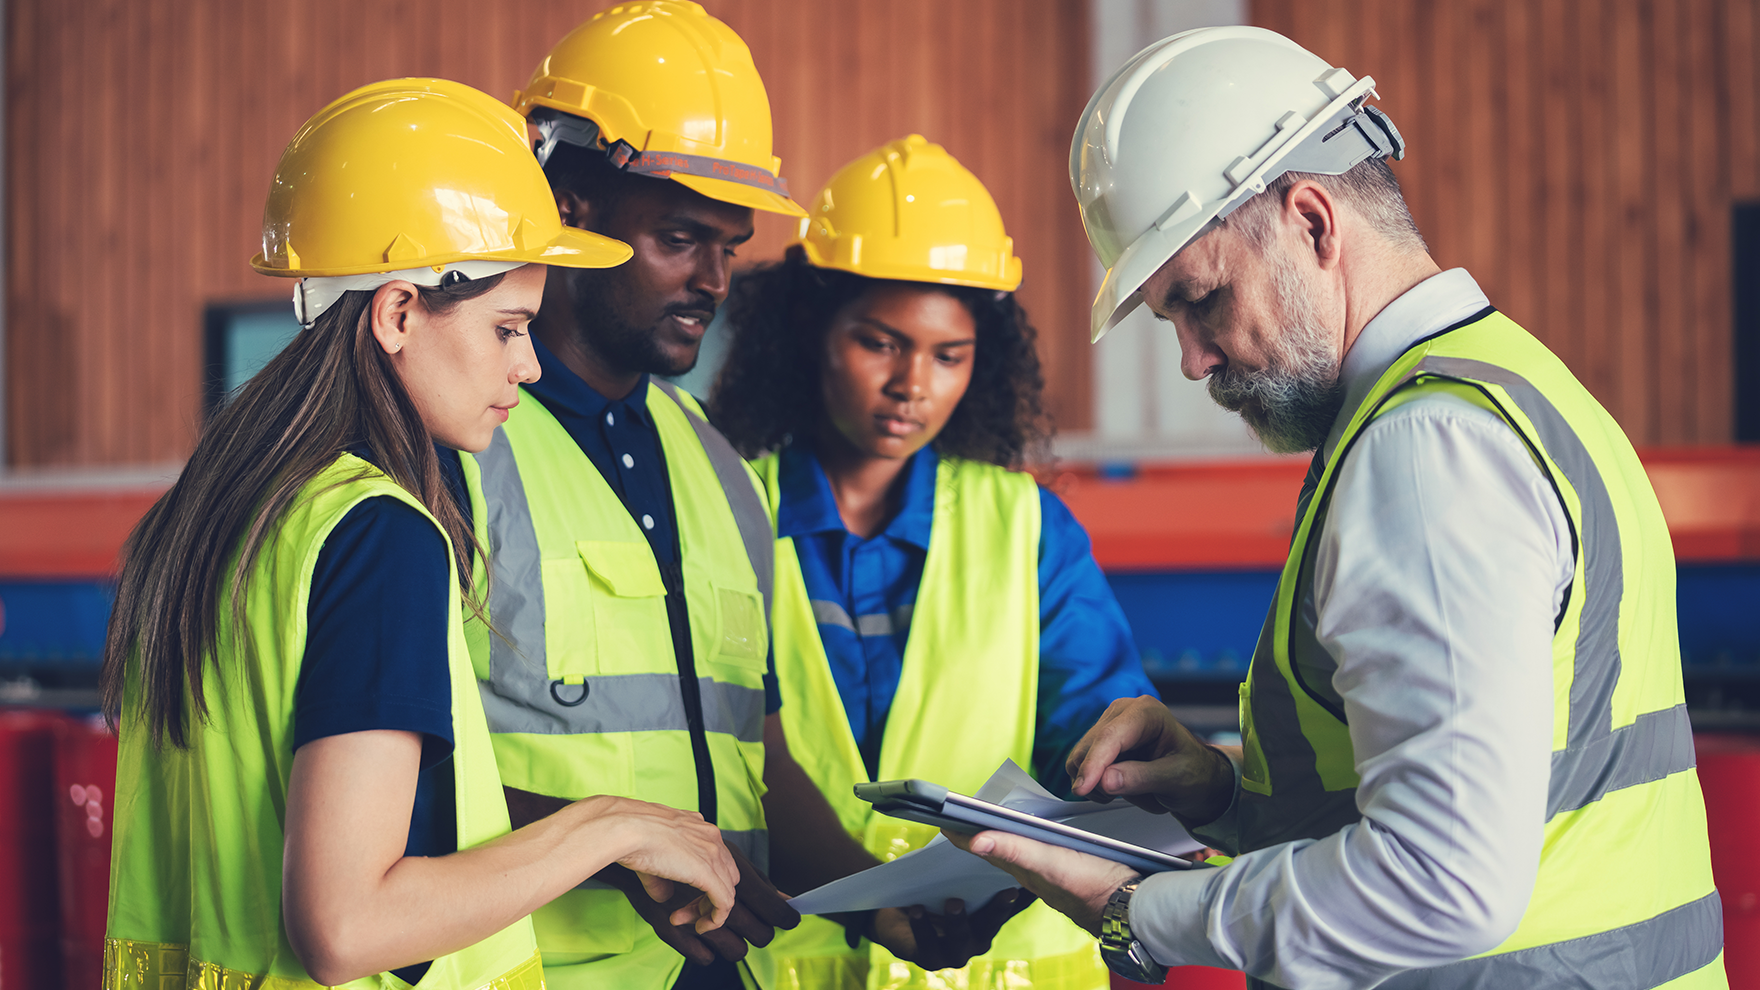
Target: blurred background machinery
x,y
1594,163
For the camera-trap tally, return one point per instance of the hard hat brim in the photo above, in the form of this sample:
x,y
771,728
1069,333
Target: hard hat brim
x,y
740,194
570,248
1008,281
576,248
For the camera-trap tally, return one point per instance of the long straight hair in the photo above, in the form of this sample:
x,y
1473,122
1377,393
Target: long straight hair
x,y
332,388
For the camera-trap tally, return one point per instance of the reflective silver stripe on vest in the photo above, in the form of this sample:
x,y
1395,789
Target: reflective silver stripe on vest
x,y
749,512
1596,758
755,843
1636,957
516,588
518,697
875,624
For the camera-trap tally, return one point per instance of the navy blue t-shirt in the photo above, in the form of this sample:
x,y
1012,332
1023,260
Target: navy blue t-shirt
x,y
376,650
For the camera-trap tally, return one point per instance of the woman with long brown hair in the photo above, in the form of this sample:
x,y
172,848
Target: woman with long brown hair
x,y
306,792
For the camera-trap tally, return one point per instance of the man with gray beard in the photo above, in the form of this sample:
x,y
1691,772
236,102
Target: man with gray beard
x,y
1465,759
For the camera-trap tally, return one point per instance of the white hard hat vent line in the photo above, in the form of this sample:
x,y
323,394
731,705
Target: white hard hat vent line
x,y
312,296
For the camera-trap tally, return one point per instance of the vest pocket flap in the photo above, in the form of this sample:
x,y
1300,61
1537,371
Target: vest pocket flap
x,y
628,569
744,640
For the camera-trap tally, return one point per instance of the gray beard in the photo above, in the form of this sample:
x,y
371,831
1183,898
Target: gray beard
x,y
1290,405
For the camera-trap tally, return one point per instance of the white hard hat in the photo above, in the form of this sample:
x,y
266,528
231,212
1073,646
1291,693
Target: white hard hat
x,y
1195,125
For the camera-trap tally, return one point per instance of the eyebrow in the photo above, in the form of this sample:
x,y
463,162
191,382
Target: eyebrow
x,y
703,230
1179,289
901,335
530,314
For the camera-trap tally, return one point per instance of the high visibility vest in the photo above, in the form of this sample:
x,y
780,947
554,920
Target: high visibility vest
x,y
1625,853
581,683
195,879
965,702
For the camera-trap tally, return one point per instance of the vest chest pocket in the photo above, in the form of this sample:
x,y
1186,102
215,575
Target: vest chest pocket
x,y
744,640
622,615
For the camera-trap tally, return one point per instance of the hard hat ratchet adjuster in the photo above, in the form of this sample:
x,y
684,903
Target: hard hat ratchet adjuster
x,y
1318,155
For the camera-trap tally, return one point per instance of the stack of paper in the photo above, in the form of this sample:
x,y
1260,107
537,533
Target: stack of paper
x,y
941,870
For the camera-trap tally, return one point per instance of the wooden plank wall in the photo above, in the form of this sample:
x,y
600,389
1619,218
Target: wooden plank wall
x,y
141,135
1580,158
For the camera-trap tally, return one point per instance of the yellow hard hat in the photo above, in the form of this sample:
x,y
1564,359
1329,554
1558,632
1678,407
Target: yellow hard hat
x,y
670,92
908,210
416,173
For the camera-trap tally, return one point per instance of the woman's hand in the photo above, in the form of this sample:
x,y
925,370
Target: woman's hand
x,y
355,905
668,846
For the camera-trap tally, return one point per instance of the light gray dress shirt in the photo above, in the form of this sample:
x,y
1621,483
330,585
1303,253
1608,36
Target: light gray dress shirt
x,y
1441,566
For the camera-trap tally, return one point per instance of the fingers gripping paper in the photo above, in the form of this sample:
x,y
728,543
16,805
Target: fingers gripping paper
x,y
941,870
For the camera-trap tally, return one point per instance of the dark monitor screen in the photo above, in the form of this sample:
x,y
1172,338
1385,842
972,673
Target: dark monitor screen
x,y
239,339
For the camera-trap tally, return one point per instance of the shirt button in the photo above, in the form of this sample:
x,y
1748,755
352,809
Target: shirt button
x,y
647,521
628,461
610,419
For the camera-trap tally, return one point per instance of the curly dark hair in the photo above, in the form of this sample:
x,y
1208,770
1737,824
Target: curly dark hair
x,y
768,391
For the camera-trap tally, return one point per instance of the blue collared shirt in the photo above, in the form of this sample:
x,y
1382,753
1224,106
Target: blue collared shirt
x,y
1087,657
619,437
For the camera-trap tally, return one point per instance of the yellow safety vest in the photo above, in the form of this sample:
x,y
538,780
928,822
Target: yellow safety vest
x,y
966,702
581,683
195,881
1624,898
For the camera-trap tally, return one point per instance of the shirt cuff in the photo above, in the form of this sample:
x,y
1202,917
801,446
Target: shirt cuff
x,y
1221,833
1169,912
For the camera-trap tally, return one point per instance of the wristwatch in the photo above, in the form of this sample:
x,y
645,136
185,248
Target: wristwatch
x,y
1123,954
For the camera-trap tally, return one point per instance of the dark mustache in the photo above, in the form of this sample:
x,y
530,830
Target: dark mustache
x,y
702,310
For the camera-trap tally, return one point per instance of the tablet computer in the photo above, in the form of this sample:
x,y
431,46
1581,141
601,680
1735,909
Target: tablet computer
x,y
932,804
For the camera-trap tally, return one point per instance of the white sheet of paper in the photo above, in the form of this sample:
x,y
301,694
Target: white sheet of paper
x,y
941,870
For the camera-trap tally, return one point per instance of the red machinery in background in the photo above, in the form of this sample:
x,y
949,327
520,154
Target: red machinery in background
x,y
85,781
30,951
57,772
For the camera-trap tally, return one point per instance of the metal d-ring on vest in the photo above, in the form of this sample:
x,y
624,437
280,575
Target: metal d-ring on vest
x,y
577,701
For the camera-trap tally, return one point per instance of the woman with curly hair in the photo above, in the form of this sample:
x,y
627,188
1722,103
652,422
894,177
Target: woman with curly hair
x,y
935,611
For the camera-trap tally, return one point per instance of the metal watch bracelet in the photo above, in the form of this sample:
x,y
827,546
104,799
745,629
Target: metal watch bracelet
x,y
1122,953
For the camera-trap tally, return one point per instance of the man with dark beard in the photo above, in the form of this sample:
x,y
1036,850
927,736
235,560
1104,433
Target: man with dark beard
x,y
1466,760
627,652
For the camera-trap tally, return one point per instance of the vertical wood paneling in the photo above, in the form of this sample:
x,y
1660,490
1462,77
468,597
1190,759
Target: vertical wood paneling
x,y
141,135
1580,157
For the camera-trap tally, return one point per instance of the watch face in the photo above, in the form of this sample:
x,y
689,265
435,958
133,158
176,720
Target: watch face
x,y
1123,954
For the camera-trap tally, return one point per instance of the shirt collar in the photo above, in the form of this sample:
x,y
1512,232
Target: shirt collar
x,y
1432,305
563,391
807,505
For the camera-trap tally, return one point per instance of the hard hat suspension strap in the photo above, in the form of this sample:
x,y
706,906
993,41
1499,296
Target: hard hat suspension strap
x,y
313,295
555,127
663,164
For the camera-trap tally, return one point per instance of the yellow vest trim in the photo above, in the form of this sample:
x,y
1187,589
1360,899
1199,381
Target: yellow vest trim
x,y
135,965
